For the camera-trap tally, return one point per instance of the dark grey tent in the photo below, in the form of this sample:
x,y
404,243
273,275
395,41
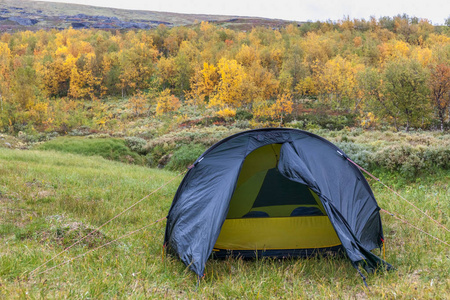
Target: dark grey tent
x,y
273,192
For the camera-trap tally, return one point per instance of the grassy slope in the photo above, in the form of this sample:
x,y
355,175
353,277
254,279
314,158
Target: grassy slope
x,y
49,198
109,148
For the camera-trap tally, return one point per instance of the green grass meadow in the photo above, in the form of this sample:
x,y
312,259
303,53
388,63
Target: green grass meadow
x,y
50,199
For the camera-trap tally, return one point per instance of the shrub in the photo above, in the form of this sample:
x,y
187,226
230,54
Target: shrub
x,y
243,115
414,155
331,122
36,137
185,156
242,124
136,144
437,157
80,131
360,154
226,113
412,160
109,148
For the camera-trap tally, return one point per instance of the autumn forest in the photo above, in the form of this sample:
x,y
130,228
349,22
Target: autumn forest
x,y
390,72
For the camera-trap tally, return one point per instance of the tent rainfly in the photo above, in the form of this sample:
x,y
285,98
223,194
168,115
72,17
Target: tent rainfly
x,y
274,192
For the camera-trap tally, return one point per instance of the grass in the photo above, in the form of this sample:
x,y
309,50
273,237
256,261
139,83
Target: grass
x,y
109,148
48,199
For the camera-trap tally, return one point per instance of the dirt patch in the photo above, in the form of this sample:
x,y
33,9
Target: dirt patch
x,y
65,233
72,232
44,194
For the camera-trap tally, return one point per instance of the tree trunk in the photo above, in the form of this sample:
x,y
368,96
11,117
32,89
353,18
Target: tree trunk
x,y
441,118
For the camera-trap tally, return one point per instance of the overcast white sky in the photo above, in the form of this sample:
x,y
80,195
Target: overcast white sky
x,y
296,10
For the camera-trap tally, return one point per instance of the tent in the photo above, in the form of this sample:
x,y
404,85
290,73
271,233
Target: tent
x,y
274,192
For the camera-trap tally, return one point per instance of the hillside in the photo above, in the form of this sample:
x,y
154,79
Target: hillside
x,y
34,15
48,200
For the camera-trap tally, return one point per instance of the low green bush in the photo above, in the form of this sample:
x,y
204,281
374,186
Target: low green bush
x,y
167,144
412,160
136,144
243,115
408,159
185,156
361,154
109,148
321,120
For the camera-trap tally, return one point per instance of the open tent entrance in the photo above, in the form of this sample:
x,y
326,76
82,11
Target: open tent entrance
x,y
272,214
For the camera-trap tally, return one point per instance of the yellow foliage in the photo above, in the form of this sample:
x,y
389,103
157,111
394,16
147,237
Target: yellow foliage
x,y
259,83
226,69
229,91
167,102
316,47
368,120
276,111
167,70
82,81
138,103
203,83
40,107
210,78
62,50
226,113
307,86
281,107
38,113
291,29
423,55
437,39
205,26
261,109
5,52
394,49
247,56
337,79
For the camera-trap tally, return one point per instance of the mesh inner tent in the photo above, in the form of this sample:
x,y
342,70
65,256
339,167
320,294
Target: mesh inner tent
x,y
261,187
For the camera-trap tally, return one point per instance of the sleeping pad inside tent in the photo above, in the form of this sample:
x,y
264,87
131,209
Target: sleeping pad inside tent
x,y
271,213
273,192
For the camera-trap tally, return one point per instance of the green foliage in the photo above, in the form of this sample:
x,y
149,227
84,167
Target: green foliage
x,y
185,156
407,159
160,149
361,154
408,155
323,120
412,160
405,84
109,148
136,144
243,115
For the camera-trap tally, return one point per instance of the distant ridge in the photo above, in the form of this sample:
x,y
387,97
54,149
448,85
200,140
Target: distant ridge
x,y
18,15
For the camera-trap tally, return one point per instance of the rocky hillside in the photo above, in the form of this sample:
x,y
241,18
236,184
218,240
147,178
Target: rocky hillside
x,y
18,15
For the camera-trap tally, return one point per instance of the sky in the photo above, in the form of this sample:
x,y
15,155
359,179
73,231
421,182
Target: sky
x,y
436,11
